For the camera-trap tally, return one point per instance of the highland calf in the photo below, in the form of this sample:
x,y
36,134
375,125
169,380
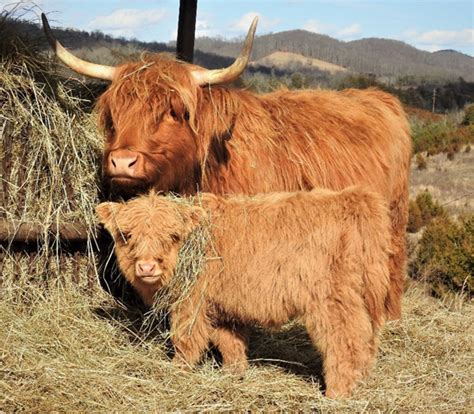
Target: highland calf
x,y
320,257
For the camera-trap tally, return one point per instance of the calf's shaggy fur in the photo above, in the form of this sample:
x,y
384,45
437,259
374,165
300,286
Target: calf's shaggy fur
x,y
320,257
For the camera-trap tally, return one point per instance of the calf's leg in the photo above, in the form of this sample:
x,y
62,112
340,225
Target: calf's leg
x,y
190,333
232,344
341,329
397,264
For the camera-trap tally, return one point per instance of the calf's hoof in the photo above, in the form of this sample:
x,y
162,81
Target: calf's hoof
x,y
337,394
180,363
236,368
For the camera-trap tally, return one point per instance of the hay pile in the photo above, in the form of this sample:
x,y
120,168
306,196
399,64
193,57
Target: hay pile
x,y
49,158
68,351
50,150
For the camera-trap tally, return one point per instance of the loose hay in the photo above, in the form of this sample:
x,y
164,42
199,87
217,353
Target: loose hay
x,y
67,351
50,150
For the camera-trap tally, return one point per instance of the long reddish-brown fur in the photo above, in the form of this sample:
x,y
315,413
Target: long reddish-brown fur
x,y
228,141
319,256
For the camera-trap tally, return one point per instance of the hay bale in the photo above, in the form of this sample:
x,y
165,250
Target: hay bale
x,y
49,161
50,151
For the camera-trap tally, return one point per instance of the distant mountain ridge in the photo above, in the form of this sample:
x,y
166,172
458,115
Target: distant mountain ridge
x,y
382,57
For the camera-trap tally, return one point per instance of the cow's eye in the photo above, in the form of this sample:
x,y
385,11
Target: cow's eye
x,y
109,125
173,114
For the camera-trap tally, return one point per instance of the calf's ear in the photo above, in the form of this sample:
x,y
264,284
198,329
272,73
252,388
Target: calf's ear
x,y
106,213
197,215
193,217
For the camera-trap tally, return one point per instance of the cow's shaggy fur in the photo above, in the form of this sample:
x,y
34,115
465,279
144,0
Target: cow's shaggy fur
x,y
228,141
320,257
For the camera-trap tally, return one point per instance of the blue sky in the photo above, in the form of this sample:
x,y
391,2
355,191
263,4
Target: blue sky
x,y
425,24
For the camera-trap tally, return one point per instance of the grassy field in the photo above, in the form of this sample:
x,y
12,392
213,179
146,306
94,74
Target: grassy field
x,y
449,181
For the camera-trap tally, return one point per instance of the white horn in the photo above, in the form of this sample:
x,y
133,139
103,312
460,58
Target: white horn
x,y
229,74
77,65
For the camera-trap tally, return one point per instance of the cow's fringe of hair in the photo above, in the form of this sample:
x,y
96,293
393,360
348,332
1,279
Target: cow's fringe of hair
x,y
149,88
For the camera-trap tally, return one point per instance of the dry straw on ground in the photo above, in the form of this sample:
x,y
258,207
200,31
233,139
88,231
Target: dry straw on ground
x,y
68,351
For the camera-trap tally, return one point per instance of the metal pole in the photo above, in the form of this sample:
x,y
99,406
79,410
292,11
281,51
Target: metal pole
x,y
186,30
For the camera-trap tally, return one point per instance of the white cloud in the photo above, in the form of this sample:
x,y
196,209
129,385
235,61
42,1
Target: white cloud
x,y
350,31
440,39
203,29
318,27
264,23
447,37
127,21
345,33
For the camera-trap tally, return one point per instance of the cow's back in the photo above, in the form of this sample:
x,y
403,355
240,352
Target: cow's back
x,y
287,141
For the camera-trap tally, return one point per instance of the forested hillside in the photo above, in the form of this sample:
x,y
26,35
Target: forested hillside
x,y
294,59
382,57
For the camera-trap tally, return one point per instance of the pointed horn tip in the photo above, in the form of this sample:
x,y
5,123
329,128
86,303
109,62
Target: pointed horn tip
x,y
251,34
48,32
44,20
253,27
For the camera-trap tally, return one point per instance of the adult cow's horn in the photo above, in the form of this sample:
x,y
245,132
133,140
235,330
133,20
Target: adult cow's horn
x,y
226,75
77,65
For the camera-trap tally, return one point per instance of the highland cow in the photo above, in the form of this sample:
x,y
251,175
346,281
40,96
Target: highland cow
x,y
320,257
169,125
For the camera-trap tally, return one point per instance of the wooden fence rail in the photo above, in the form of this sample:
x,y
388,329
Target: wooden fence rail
x,y
15,231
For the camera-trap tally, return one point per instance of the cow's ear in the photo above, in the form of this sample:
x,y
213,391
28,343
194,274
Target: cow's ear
x,y
106,213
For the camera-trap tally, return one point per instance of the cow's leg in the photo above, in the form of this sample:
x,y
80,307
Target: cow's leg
x,y
397,263
190,332
341,329
232,344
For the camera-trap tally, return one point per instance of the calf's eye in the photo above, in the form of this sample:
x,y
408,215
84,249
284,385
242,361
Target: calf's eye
x,y
126,236
175,238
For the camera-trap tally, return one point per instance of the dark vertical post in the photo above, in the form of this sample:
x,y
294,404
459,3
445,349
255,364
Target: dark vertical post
x,y
186,29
